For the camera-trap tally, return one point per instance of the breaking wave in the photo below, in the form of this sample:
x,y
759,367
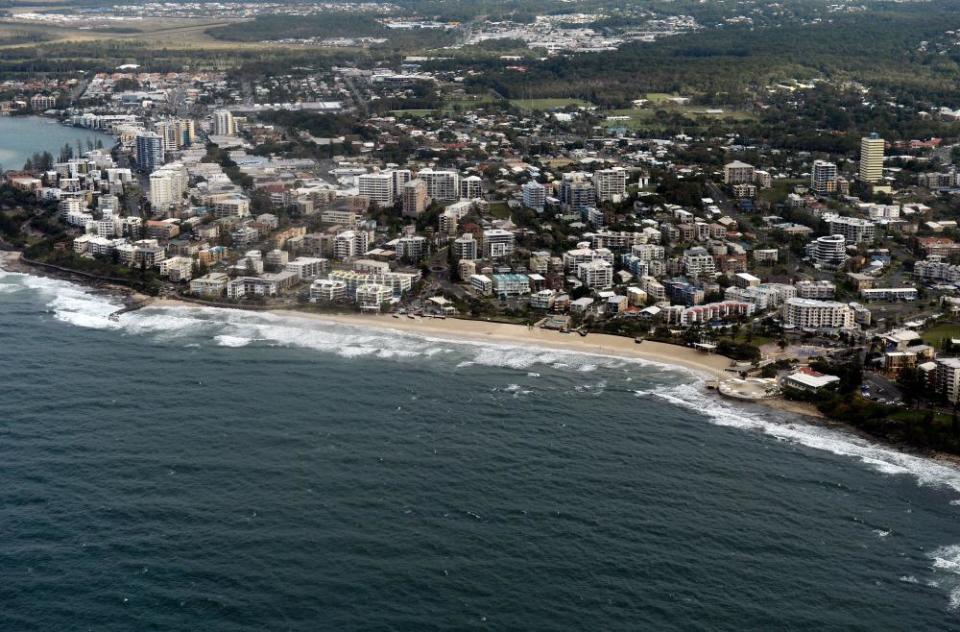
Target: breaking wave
x,y
237,328
946,566
882,459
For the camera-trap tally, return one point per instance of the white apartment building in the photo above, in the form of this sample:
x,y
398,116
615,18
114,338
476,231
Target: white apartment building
x,y
177,269
823,177
698,263
820,290
350,244
471,188
229,205
738,172
534,195
211,285
889,294
307,268
223,123
443,186
596,273
804,313
610,184
855,230
573,258
936,268
328,291
947,378
398,282
481,284
379,187
372,296
251,286
498,243
465,247
766,255
829,250
167,185
412,249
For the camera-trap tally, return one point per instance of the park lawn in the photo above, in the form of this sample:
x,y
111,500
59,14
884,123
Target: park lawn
x,y
660,97
467,102
941,331
500,210
413,112
548,104
779,190
645,117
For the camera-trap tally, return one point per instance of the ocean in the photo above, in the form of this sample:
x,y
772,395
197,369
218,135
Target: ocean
x,y
201,469
22,136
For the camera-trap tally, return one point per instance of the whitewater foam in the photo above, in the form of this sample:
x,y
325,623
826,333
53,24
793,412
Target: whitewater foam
x,y
237,328
946,566
882,459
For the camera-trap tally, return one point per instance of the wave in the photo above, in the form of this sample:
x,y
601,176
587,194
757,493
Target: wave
x,y
882,459
75,305
946,566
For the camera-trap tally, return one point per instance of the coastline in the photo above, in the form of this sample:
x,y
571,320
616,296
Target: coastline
x,y
703,366
464,330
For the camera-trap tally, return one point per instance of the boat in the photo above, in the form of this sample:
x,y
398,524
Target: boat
x,y
638,340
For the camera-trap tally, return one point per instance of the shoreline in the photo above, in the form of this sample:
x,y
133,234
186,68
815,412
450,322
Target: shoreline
x,y
478,331
704,366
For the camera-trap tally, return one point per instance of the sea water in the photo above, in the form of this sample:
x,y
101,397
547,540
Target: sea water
x,y
204,469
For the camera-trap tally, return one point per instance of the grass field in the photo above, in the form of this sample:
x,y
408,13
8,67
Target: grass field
x,y
940,332
659,97
500,210
173,33
645,117
530,105
413,112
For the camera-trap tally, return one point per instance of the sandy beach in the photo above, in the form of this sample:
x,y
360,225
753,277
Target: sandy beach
x,y
707,366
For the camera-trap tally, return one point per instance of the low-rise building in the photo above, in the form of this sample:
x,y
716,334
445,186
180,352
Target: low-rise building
x,y
212,285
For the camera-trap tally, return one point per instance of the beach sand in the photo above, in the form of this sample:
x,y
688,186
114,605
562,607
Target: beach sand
x,y
707,366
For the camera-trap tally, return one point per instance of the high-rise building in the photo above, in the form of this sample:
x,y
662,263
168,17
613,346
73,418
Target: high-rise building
x,y
379,187
471,188
738,172
610,184
828,250
534,195
412,248
465,247
400,178
443,186
149,151
805,313
167,185
871,158
497,243
854,229
947,378
224,124
414,198
577,191
823,177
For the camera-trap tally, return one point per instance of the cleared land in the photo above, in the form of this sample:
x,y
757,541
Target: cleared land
x,y
531,105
